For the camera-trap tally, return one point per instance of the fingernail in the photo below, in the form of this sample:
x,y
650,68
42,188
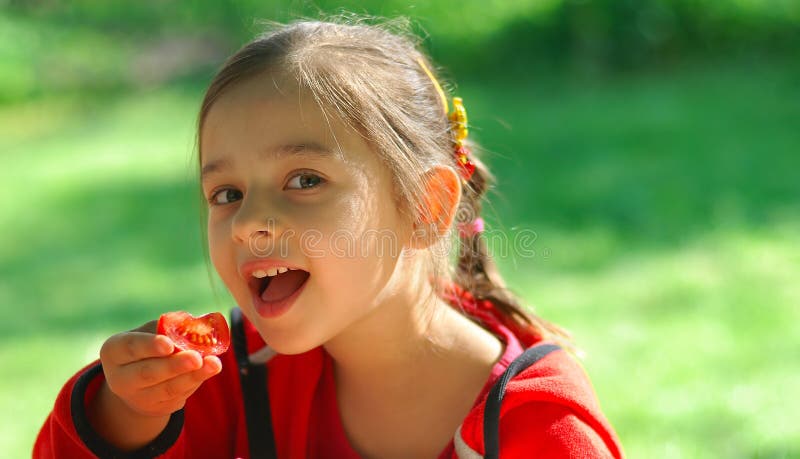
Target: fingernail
x,y
194,361
212,366
163,346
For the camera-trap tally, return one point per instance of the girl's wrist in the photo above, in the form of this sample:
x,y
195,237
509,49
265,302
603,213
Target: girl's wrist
x,y
119,424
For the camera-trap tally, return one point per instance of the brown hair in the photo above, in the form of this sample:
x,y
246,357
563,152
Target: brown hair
x,y
369,76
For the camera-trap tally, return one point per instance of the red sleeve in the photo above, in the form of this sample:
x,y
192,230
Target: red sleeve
x,y
66,432
211,424
542,429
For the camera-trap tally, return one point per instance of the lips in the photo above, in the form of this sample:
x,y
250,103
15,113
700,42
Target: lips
x,y
273,295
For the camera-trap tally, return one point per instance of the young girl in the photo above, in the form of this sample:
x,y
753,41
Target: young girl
x,y
335,172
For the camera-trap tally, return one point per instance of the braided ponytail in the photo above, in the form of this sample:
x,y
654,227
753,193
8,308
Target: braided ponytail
x,y
477,273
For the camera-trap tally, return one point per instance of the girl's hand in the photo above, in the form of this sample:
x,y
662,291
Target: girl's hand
x,y
145,383
142,371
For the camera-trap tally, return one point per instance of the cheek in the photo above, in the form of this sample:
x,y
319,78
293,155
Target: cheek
x,y
350,232
213,235
354,266
219,249
343,210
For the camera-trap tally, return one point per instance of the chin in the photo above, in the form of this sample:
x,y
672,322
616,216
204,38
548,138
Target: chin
x,y
292,346
287,342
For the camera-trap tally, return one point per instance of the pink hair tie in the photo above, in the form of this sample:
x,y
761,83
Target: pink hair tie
x,y
471,228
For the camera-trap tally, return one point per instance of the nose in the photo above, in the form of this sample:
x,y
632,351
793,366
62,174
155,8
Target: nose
x,y
255,223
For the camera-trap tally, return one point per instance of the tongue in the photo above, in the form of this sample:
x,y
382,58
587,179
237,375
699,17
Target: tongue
x,y
284,284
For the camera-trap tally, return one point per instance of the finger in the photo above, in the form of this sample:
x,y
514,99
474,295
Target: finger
x,y
182,386
150,372
129,347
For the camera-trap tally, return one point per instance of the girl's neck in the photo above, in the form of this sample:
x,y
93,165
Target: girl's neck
x,y
398,331
411,334
409,360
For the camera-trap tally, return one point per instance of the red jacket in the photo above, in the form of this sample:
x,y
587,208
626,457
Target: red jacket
x,y
550,410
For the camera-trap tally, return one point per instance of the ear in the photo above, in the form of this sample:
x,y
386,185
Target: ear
x,y
438,206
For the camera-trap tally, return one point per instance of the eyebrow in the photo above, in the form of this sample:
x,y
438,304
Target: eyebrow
x,y
306,149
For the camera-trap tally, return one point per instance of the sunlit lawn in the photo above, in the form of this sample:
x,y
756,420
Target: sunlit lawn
x,y
665,207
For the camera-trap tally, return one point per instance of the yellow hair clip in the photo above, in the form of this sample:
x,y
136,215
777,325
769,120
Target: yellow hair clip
x,y
458,125
458,118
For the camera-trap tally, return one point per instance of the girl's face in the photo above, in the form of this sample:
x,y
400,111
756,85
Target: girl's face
x,y
288,186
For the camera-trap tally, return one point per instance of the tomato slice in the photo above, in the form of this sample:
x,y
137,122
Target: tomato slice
x,y
207,334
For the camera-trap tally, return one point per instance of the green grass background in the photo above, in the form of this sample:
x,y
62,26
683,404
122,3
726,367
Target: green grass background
x,y
665,203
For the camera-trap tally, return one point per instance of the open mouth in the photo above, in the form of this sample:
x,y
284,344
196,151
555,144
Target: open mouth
x,y
275,288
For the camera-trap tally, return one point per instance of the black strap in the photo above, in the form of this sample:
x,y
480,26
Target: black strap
x,y
254,394
491,414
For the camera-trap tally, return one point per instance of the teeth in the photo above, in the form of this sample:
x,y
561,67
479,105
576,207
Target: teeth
x,y
261,273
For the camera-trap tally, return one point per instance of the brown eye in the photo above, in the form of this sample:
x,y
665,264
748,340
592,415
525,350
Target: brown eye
x,y
225,196
304,181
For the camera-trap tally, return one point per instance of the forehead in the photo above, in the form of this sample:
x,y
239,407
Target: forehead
x,y
275,117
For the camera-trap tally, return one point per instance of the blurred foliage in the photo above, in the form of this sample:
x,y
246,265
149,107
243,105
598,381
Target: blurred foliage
x,y
666,212
651,145
44,43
